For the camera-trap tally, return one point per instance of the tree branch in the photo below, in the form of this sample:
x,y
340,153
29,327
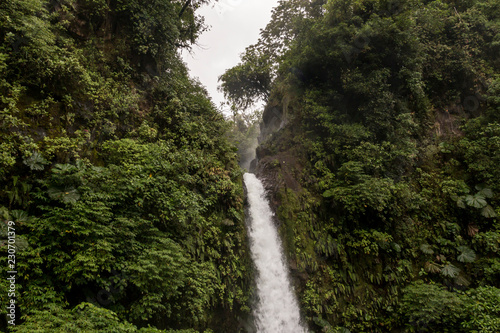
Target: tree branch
x,y
188,2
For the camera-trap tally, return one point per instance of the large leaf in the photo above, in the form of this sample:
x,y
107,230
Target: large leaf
x,y
63,168
432,267
19,215
328,193
450,270
488,212
466,255
36,161
478,200
66,195
472,229
460,202
487,192
426,248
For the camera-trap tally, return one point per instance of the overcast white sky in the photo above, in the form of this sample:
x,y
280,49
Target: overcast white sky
x,y
234,25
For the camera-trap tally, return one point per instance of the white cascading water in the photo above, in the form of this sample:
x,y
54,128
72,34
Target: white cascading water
x,y
277,310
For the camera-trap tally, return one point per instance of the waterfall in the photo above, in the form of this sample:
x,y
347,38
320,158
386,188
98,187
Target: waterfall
x,y
277,310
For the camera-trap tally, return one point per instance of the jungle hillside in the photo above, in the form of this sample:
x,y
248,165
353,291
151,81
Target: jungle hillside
x,y
126,195
380,149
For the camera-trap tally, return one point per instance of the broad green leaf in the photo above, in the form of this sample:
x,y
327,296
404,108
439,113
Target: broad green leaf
x,y
19,215
488,193
488,212
460,202
426,248
477,201
328,193
66,195
396,247
466,255
432,267
450,270
36,161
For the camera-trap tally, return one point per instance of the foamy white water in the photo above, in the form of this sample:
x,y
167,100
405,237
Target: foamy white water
x,y
277,310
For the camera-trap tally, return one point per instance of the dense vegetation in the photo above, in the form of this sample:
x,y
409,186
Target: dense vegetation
x,y
381,150
379,143
115,167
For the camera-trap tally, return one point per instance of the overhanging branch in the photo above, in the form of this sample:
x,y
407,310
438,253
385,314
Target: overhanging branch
x,y
188,2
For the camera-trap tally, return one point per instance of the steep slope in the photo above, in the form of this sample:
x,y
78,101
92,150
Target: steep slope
x,y
380,147
126,196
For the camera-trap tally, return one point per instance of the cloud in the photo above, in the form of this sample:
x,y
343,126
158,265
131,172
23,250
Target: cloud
x,y
235,24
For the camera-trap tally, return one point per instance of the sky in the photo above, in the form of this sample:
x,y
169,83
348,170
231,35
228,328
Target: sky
x,y
234,25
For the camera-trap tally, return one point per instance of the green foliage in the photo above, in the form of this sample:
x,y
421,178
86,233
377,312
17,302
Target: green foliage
x,y
252,79
429,307
139,215
426,248
449,270
248,82
36,161
466,255
482,310
365,192
391,148
115,166
479,146
126,194
84,317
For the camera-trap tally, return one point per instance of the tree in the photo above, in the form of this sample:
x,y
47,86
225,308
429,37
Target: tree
x,y
251,80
